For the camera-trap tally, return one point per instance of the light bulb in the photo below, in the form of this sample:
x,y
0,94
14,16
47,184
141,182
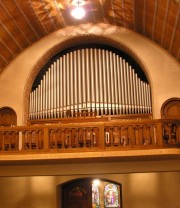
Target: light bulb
x,y
96,182
78,12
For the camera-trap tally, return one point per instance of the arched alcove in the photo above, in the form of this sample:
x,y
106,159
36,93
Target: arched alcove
x,y
8,117
89,193
171,109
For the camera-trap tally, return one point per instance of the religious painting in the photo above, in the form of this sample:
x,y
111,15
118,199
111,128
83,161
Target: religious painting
x,y
78,193
111,196
95,196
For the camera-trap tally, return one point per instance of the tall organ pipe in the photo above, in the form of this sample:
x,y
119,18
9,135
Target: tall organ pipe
x,y
97,90
80,86
71,85
115,78
75,82
92,79
122,87
112,82
119,94
88,79
101,94
131,89
108,82
57,92
104,82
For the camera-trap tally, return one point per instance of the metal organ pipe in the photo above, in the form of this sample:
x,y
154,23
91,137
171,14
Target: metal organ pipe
x,y
30,107
67,84
115,78
80,86
41,97
118,85
112,83
125,87
83,79
92,79
143,96
97,80
104,80
55,90
97,90
58,86
88,79
75,82
131,89
32,111
71,84
108,82
122,86
64,95
128,89
149,99
49,93
101,94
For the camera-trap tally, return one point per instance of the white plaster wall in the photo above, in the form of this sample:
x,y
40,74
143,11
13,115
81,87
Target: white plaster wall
x,y
163,70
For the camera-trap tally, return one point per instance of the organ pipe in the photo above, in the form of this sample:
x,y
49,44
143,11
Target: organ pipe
x,y
79,83
49,93
128,89
118,85
115,84
92,79
75,82
101,94
58,80
131,89
97,80
104,88
60,87
112,82
88,79
83,79
67,72
71,84
97,90
55,90
108,82
122,87
41,97
64,95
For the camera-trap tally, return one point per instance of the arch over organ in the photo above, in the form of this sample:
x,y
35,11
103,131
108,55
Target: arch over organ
x,y
90,80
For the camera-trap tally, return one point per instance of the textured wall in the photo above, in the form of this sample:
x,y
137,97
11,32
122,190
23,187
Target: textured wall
x,y
139,190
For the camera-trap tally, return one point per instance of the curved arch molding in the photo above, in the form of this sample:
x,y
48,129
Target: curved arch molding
x,y
156,63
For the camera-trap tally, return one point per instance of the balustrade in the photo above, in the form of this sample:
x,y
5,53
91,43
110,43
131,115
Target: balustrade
x,y
95,136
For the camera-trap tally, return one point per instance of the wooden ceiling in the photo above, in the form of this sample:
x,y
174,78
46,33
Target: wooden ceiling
x,y
23,22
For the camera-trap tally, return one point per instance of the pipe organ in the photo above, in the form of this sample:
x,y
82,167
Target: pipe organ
x,y
94,80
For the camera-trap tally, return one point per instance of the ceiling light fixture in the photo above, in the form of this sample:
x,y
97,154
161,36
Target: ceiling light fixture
x,y
78,12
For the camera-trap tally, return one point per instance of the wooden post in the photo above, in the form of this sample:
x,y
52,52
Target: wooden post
x,y
46,138
101,136
3,140
159,133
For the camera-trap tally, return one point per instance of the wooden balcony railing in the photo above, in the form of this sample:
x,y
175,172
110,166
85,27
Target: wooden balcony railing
x,y
91,136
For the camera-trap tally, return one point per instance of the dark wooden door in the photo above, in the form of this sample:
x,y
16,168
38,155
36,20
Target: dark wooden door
x,y
77,194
